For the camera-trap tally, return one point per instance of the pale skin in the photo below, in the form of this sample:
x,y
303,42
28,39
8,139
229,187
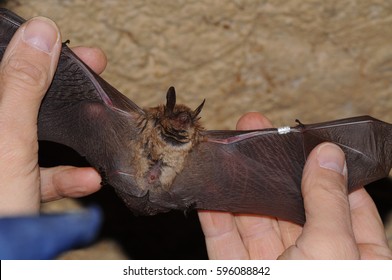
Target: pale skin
x,y
339,226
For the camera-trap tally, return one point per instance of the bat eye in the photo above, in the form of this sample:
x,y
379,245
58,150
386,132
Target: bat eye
x,y
184,118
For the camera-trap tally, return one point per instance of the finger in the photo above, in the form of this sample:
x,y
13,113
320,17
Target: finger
x,y
260,235
26,70
253,120
289,233
222,237
368,227
327,232
93,57
68,181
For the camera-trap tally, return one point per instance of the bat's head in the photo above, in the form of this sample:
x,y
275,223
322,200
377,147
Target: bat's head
x,y
178,123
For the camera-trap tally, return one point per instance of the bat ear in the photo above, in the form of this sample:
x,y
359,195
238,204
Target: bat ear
x,y
198,110
170,101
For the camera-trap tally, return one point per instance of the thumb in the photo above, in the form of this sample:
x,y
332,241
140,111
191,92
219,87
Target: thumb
x,y
26,71
327,233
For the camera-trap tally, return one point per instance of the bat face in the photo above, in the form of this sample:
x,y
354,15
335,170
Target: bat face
x,y
178,125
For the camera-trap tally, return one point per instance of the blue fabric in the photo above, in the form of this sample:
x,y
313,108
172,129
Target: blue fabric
x,y
47,235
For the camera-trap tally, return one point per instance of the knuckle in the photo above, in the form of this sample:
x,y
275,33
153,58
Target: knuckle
x,y
19,162
326,181
336,187
348,248
24,73
333,191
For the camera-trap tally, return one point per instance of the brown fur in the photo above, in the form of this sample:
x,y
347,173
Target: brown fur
x,y
159,161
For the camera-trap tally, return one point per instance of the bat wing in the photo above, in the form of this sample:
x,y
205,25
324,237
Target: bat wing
x,y
84,112
260,171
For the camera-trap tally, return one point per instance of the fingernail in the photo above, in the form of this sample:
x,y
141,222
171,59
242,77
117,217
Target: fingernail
x,y
41,33
330,157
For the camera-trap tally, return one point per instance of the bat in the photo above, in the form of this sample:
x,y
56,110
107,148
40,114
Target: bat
x,y
161,158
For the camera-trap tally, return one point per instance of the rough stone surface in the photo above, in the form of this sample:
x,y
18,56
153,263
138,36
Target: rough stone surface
x,y
313,60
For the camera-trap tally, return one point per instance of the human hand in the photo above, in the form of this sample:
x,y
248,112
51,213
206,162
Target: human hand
x,y
26,71
338,225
